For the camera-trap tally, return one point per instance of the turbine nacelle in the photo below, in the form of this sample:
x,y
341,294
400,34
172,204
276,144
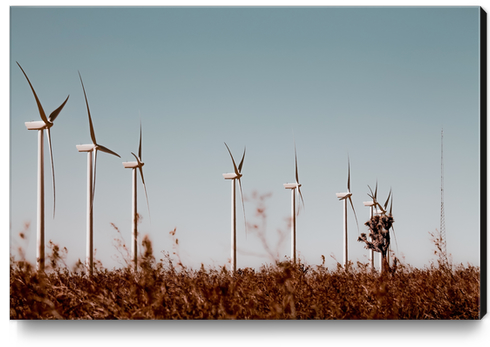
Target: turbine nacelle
x,y
86,148
38,125
291,185
231,176
131,164
368,203
343,196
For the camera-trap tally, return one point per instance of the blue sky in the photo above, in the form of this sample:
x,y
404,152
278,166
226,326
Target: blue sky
x,y
374,84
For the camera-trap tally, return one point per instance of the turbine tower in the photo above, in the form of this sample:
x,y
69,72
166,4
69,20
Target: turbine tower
x,y
136,165
370,204
233,177
89,148
347,196
293,187
40,126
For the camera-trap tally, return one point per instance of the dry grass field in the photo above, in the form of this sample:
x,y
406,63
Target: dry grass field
x,y
161,289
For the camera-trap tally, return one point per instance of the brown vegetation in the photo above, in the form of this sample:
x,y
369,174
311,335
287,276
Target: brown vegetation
x,y
280,291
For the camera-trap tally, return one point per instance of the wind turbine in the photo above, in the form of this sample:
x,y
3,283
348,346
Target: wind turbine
x,y
45,123
233,177
345,196
138,164
91,183
293,187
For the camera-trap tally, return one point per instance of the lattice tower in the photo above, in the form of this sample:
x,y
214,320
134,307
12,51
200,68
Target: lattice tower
x,y
443,220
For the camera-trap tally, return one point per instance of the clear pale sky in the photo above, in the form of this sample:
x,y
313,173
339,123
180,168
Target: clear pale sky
x,y
374,84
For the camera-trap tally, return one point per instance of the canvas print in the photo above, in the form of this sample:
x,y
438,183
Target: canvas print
x,y
250,163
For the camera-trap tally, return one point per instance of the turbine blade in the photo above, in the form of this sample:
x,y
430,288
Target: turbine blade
x,y
137,159
140,165
56,112
241,162
394,234
233,160
243,205
143,180
376,190
297,177
391,205
301,196
296,164
39,106
146,193
107,150
387,200
52,170
92,132
353,209
392,226
141,173
372,194
139,150
348,175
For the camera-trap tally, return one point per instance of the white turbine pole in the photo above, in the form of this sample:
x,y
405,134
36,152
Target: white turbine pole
x,y
371,253
40,230
293,187
135,165
89,260
346,248
232,177
233,226
90,216
371,205
293,225
380,257
134,243
40,202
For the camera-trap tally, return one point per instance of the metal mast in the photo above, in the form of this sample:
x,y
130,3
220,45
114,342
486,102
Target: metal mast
x,y
443,221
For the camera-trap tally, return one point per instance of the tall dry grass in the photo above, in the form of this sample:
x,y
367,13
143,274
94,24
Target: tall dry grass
x,y
277,291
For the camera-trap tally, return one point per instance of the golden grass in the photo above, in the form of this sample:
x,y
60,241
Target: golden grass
x,y
277,291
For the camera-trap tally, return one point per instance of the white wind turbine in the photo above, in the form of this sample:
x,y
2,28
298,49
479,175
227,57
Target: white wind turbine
x,y
45,123
136,165
345,196
233,177
89,148
293,187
